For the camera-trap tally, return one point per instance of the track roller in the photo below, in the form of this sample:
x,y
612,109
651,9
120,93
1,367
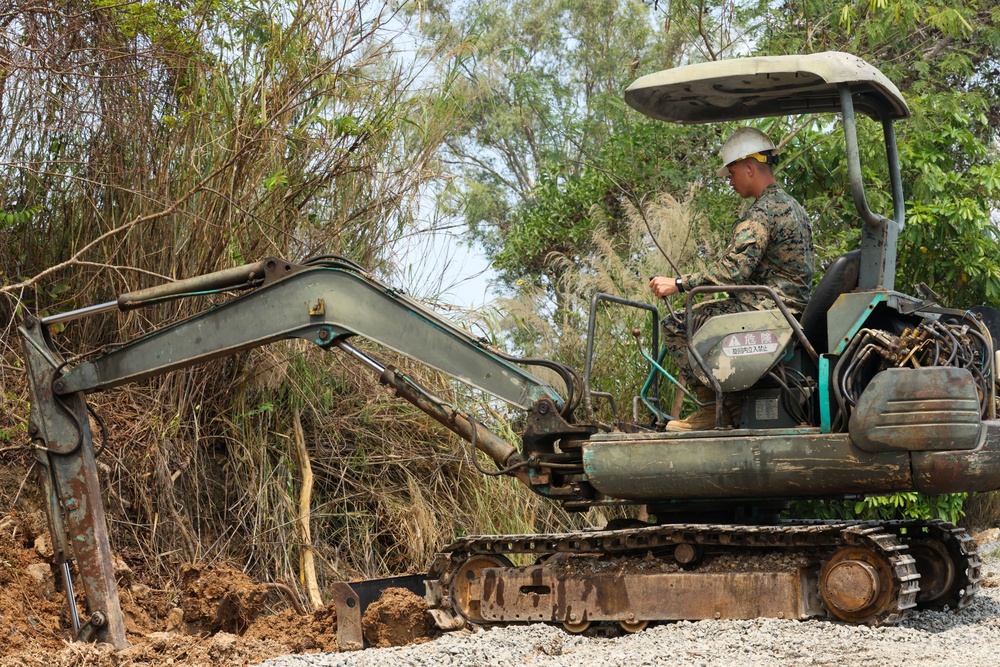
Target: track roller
x,y
633,626
576,627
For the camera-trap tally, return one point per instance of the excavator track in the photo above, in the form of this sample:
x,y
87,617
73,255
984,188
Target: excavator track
x,y
947,559
856,572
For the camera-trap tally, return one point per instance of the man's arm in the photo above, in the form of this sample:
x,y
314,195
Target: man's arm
x,y
663,286
734,267
740,260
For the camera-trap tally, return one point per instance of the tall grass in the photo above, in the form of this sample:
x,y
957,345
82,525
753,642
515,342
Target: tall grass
x,y
145,146
981,511
556,327
391,486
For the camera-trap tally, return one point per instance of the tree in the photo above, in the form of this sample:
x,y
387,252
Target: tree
x,y
942,64
541,84
209,132
942,59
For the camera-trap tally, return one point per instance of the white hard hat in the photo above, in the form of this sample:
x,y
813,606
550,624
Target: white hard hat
x,y
743,143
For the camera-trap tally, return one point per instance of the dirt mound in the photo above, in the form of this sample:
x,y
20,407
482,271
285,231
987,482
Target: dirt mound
x,y
31,607
398,618
155,649
219,616
302,634
219,598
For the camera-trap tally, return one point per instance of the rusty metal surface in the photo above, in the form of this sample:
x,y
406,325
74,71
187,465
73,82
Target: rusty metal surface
x,y
872,580
740,464
851,585
575,596
857,584
918,409
59,428
345,600
541,593
465,597
499,450
960,471
239,276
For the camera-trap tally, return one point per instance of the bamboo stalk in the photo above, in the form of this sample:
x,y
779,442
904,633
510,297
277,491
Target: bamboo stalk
x,y
307,566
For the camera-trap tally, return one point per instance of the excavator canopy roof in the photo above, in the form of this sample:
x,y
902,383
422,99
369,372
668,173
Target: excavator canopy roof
x,y
765,86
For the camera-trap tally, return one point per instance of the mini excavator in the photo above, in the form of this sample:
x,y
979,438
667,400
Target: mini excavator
x,y
869,392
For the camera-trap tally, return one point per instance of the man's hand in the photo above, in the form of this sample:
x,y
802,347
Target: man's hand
x,y
662,286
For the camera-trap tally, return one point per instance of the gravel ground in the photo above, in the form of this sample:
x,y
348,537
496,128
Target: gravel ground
x,y
970,638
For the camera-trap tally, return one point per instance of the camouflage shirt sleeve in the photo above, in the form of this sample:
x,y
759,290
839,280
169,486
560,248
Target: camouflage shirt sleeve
x,y
738,262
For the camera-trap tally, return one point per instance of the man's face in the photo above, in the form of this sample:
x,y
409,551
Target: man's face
x,y
739,177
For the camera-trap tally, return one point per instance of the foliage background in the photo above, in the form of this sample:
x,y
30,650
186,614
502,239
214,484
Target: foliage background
x,y
148,141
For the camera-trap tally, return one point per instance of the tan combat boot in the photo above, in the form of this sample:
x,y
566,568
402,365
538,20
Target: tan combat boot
x,y
703,419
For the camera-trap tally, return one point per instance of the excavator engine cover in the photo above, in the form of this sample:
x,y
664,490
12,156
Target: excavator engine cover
x,y
739,348
918,409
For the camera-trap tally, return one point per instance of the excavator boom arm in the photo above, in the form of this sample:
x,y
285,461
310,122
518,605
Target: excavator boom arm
x,y
322,304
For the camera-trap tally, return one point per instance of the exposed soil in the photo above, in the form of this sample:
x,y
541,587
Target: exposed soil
x,y
218,616
397,618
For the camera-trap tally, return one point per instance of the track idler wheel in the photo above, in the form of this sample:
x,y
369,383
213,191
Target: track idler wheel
x,y
462,580
948,563
857,586
937,572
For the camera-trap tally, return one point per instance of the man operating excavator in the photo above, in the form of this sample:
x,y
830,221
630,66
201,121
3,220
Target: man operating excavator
x,y
771,245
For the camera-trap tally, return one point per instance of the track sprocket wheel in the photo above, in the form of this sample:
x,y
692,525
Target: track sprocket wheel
x,y
872,581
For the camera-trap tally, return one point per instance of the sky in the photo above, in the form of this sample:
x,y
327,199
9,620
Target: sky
x,y
438,266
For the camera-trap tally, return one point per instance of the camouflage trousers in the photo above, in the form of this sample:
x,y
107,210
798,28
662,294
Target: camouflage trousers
x,y
674,332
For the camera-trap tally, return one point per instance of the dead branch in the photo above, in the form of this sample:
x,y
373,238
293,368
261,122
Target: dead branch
x,y
307,565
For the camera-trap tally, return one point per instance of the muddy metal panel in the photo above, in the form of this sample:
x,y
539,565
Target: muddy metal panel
x,y
915,409
740,464
538,593
740,347
961,471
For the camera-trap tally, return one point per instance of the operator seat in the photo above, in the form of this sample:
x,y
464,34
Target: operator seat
x,y
840,277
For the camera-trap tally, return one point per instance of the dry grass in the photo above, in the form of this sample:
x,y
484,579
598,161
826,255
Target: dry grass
x,y
981,511
131,161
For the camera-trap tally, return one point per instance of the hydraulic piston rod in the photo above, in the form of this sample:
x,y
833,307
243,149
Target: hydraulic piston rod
x,y
500,451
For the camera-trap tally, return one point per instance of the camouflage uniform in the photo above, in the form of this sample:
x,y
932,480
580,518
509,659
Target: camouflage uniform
x,y
771,246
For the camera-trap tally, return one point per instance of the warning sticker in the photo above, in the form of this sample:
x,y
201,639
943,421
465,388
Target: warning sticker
x,y
749,343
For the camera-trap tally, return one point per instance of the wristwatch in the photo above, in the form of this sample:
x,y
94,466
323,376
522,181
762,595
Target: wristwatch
x,y
680,284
